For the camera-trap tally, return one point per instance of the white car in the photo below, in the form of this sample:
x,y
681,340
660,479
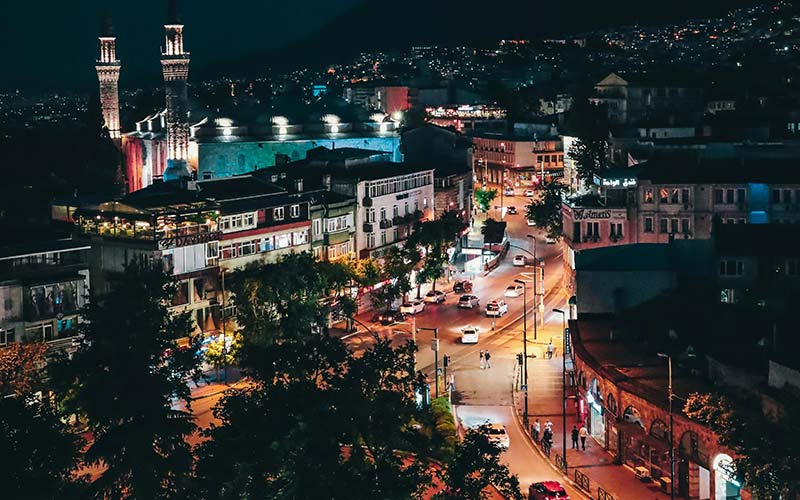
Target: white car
x,y
434,297
509,191
529,193
469,335
498,435
519,260
496,308
414,307
468,301
514,290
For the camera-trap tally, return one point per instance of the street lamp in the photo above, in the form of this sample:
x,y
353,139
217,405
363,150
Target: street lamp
x,y
535,272
563,383
525,346
435,345
671,445
532,237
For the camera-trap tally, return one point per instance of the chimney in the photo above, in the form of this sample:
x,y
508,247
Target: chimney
x,y
298,185
326,182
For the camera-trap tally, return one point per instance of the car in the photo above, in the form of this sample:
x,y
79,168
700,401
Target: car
x,y
469,335
462,286
498,435
468,301
514,290
519,260
529,193
547,490
512,210
496,308
387,318
434,297
531,222
413,307
509,191
549,240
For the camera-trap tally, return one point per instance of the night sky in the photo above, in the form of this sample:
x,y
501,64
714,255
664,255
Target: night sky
x,y
52,44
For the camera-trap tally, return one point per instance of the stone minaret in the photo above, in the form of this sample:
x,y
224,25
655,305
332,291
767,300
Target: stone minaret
x,y
108,68
175,63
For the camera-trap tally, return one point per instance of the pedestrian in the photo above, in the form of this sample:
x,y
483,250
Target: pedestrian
x,y
483,360
550,350
537,428
488,357
548,426
574,437
583,433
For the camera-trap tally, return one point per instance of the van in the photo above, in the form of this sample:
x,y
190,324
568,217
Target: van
x,y
496,308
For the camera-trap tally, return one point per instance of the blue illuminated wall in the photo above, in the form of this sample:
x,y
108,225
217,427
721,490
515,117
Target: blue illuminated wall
x,y
224,159
758,203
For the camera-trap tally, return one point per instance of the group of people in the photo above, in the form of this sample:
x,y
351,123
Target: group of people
x,y
486,359
547,435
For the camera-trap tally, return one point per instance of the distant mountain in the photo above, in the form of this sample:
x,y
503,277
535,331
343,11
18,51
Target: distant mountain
x,y
382,24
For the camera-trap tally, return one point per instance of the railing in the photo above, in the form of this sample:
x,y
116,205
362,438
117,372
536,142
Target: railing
x,y
603,494
385,223
582,480
559,460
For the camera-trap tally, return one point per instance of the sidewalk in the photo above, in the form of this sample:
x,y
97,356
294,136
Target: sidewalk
x,y
544,403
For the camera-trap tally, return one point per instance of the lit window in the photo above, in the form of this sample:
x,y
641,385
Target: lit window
x,y
277,213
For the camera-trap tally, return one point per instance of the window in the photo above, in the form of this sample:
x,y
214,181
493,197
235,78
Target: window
x,y
685,196
731,267
718,196
283,241
593,230
341,250
675,198
295,211
616,230
406,206
227,251
793,267
673,225
648,195
383,213
316,228
247,248
370,240
740,198
395,211
727,296
370,215
776,196
685,226
648,224
300,237
265,245
383,238
212,250
249,219
277,213
7,336
425,202
396,234
662,225
729,196
664,195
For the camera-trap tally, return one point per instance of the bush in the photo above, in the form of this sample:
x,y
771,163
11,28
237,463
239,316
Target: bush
x,y
444,426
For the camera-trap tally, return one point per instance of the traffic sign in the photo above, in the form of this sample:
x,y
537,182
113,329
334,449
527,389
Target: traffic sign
x,y
435,345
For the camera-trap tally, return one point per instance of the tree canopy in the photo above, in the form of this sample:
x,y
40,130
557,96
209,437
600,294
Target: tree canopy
x,y
484,198
589,124
545,211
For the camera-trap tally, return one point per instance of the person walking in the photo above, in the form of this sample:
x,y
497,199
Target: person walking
x,y
537,429
488,357
548,426
583,433
550,350
574,437
483,360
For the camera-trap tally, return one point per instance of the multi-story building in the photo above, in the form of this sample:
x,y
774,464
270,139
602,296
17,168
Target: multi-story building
x,y
664,98
516,157
43,285
333,226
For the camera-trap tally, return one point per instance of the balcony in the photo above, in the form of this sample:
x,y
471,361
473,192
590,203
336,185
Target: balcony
x,y
368,227
385,224
366,201
398,219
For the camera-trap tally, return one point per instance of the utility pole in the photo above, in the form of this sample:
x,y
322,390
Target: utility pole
x,y
525,347
671,436
563,384
435,348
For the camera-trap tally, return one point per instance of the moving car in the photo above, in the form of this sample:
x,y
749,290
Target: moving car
x,y
512,210
391,317
469,335
529,193
468,301
519,260
496,308
509,191
434,297
413,307
462,286
547,490
514,290
498,435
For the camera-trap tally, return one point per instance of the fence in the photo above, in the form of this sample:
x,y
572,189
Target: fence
x,y
582,480
559,460
603,494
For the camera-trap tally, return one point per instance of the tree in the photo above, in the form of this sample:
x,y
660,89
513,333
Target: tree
x,y
476,466
545,211
21,368
435,237
41,452
218,354
484,198
122,380
766,448
589,124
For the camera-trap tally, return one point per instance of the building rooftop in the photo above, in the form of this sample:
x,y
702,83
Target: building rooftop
x,y
23,249
237,187
663,169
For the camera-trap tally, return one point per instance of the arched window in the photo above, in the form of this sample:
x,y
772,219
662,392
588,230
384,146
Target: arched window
x,y
611,404
659,429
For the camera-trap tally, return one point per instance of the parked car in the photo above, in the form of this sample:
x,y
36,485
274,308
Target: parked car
x,y
519,260
469,335
413,307
498,435
496,308
547,490
509,191
514,290
512,210
468,301
434,297
531,222
529,193
387,318
462,286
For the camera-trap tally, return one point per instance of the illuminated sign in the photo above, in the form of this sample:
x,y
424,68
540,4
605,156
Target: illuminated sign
x,y
624,183
723,464
587,214
191,239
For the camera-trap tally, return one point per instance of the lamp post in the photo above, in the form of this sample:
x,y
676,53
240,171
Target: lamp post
x,y
535,272
435,345
563,383
525,348
671,442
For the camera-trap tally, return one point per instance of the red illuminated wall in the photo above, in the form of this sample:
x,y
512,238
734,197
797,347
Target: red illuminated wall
x,y
396,99
132,149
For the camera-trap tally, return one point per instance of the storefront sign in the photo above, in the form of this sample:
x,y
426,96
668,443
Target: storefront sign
x,y
587,214
191,239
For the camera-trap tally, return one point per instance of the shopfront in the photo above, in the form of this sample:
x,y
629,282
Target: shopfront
x,y
596,422
726,483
